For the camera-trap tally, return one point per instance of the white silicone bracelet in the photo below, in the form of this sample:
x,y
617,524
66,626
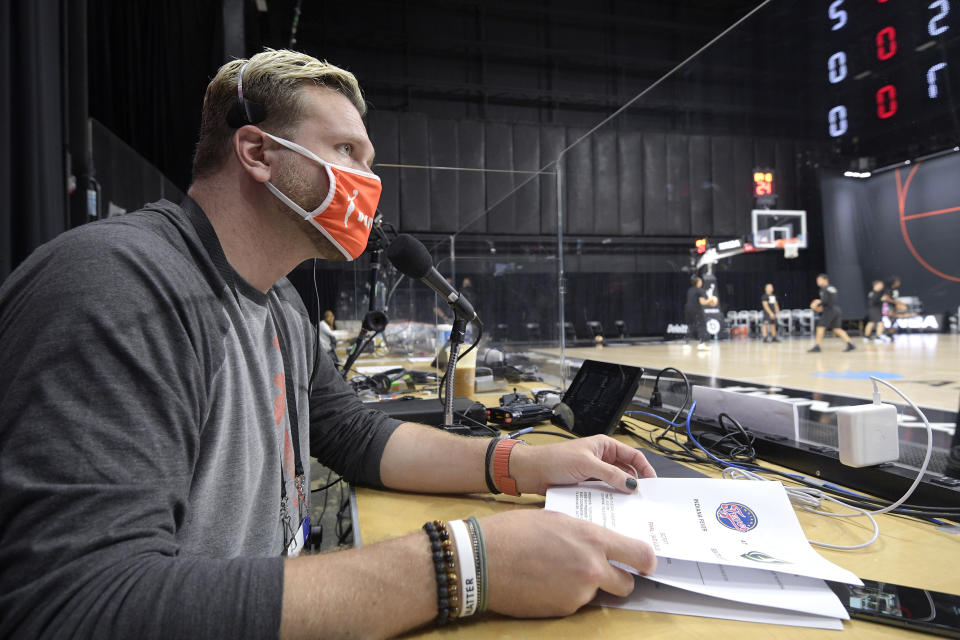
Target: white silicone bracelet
x,y
468,571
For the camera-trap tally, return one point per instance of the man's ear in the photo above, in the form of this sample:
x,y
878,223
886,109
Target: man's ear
x,y
248,148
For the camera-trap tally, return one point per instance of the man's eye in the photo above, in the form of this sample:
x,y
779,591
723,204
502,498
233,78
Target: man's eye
x,y
346,149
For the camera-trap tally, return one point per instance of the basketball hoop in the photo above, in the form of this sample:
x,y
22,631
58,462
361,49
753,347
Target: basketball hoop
x,y
791,251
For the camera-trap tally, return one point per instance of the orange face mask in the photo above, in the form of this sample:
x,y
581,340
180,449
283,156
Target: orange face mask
x,y
345,216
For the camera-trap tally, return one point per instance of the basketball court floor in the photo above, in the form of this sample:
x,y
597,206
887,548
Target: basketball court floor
x,y
924,366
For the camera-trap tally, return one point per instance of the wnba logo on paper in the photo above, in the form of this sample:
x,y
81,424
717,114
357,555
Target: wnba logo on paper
x,y
736,516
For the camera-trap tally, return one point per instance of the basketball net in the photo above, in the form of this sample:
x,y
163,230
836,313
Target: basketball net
x,y
791,251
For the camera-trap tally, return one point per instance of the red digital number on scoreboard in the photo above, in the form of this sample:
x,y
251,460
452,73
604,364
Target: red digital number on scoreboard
x,y
762,183
886,101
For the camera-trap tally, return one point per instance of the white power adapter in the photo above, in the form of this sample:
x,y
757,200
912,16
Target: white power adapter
x,y
867,434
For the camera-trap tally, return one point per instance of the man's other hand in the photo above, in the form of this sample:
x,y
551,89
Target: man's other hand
x,y
542,563
538,468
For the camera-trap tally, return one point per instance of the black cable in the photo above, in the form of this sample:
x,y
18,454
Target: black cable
x,y
318,525
393,289
740,452
685,454
328,485
686,382
479,325
493,431
568,436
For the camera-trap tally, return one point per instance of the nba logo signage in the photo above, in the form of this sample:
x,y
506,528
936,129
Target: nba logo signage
x,y
736,516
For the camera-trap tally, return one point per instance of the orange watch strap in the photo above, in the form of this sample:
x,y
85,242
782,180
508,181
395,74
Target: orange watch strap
x,y
501,467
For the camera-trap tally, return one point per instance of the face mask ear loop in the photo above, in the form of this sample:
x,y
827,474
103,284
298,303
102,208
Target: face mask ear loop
x,y
331,178
246,107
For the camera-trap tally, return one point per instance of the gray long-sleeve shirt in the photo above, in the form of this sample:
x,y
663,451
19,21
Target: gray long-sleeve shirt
x,y
144,433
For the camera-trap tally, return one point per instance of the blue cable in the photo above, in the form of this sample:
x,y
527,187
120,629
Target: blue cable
x,y
690,437
653,415
520,432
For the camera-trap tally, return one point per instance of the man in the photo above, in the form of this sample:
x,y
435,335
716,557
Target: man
x,y
326,335
693,313
827,305
443,314
894,308
160,376
875,312
770,310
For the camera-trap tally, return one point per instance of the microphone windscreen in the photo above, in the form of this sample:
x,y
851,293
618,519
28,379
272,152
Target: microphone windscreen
x,y
375,321
409,256
563,416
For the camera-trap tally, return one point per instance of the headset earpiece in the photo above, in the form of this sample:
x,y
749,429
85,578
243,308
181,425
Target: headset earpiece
x,y
237,116
245,111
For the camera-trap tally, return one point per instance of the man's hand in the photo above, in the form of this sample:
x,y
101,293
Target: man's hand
x,y
816,305
595,458
542,563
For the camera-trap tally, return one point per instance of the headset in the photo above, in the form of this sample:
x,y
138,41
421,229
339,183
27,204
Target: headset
x,y
245,111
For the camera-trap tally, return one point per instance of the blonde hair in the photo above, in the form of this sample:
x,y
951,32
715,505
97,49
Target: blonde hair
x,y
274,79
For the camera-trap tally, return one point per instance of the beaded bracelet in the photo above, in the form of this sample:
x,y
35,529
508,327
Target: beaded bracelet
x,y
480,558
448,589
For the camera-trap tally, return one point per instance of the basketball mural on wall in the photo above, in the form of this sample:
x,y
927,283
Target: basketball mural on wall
x,y
925,232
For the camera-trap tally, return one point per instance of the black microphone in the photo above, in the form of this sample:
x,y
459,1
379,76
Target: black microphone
x,y
563,417
412,259
374,321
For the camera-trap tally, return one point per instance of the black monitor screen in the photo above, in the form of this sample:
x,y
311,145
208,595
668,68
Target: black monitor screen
x,y
599,394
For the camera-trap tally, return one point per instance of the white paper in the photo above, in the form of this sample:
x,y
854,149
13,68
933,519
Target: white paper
x,y
373,369
729,522
652,596
752,586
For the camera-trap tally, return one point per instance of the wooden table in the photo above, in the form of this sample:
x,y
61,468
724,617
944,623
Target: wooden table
x,y
908,552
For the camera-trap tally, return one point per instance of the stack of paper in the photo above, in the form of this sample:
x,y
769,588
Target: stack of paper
x,y
725,549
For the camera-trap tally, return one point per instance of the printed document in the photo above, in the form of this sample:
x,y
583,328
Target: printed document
x,y
653,596
732,540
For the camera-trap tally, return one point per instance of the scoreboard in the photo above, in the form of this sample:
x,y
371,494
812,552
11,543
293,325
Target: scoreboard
x,y
890,74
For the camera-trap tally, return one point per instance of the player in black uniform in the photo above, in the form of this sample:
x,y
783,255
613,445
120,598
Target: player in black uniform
x,y
874,311
893,307
696,320
770,310
828,305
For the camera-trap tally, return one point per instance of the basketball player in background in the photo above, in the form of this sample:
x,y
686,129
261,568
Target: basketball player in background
x,y
893,307
875,312
770,310
693,313
827,305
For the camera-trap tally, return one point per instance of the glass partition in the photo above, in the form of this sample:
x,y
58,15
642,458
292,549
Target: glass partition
x,y
664,187
761,117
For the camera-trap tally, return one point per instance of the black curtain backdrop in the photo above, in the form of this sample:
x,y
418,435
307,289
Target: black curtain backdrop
x,y
150,63
874,228
32,183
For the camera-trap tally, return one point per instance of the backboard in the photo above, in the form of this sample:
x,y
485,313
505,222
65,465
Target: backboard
x,y
779,229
